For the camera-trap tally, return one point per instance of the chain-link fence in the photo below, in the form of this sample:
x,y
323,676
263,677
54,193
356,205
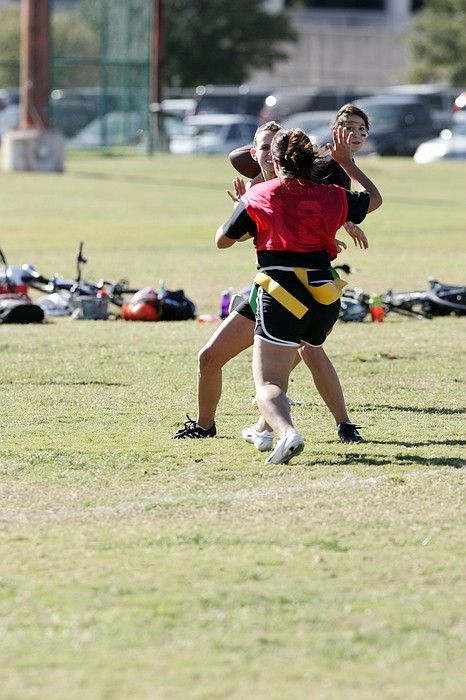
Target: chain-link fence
x,y
100,81
106,74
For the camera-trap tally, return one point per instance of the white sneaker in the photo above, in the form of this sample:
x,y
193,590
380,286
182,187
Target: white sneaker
x,y
262,441
289,446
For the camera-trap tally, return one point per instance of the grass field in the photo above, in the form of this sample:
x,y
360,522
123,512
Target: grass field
x,y
133,567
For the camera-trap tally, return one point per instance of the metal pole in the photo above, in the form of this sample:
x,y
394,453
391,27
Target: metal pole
x,y
34,64
157,56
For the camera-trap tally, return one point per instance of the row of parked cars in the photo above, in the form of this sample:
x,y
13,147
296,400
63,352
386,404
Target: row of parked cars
x,y
402,118
217,119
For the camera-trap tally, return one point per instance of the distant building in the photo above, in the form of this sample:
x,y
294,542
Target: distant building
x,y
341,43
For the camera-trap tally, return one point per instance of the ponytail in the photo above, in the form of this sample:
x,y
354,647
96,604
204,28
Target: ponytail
x,y
294,153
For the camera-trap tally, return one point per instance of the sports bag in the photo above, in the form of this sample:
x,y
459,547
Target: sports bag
x,y
19,309
175,306
149,305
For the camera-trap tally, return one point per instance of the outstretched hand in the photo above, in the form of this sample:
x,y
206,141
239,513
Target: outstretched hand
x,y
357,234
239,189
340,150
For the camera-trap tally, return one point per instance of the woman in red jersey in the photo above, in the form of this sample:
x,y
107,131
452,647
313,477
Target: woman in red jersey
x,y
294,221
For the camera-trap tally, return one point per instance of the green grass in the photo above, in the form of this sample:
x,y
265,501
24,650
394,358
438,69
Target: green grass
x,y
137,567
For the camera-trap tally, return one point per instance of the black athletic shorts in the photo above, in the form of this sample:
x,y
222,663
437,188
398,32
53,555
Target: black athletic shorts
x,y
245,310
277,325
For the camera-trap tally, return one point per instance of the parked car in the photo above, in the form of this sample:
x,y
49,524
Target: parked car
x,y
439,99
113,129
172,113
289,100
181,107
309,122
71,109
214,133
450,144
398,125
459,108
230,99
8,96
9,118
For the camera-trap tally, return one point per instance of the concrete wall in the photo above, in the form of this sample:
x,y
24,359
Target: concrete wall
x,y
345,48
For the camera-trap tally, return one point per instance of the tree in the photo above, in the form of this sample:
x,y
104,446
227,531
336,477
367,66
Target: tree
x,y
438,41
73,38
206,41
9,42
219,41
76,51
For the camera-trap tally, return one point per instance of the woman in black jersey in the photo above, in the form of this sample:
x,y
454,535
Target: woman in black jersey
x,y
294,221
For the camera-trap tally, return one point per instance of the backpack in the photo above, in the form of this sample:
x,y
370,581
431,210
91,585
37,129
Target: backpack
x,y
149,305
15,308
175,306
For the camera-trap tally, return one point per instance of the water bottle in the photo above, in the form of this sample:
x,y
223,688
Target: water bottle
x,y
225,303
376,308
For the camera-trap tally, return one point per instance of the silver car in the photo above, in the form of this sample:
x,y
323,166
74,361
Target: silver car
x,y
450,144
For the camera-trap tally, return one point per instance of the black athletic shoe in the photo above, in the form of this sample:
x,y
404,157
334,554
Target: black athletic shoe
x,y
348,432
192,430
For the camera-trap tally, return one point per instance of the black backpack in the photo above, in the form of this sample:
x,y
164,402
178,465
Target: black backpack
x,y
19,309
175,306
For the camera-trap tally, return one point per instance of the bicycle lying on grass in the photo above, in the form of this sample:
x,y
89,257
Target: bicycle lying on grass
x,y
87,300
15,304
81,298
439,300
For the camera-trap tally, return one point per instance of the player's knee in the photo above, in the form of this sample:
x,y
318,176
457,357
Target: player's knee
x,y
208,358
313,356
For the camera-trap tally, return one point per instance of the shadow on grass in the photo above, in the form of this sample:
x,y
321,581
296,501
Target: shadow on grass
x,y
455,462
413,409
47,382
351,458
425,443
398,459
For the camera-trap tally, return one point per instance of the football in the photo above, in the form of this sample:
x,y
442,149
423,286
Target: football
x,y
242,160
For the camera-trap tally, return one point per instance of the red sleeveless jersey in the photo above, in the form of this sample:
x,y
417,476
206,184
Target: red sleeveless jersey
x,y
296,215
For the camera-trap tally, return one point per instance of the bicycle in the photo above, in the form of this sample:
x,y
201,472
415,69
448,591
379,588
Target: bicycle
x,y
90,300
439,300
84,299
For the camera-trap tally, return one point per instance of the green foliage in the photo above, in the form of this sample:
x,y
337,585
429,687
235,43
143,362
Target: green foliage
x,y
438,42
218,41
74,41
9,43
74,38
206,41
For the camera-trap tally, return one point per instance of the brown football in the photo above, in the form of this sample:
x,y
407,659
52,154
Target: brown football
x,y
242,160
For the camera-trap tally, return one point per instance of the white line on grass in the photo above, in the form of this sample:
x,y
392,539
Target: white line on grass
x,y
243,495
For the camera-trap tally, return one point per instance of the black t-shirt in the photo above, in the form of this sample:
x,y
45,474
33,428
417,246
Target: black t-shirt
x,y
331,173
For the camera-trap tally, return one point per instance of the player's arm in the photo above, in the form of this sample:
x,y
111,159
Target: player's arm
x,y
239,227
341,153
